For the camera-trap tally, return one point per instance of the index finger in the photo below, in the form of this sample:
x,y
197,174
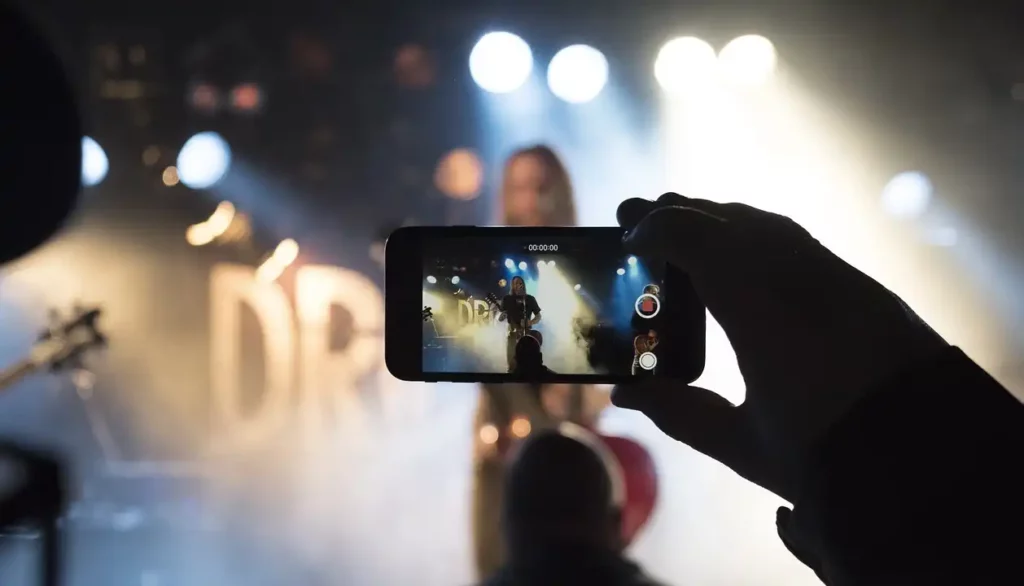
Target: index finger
x,y
633,210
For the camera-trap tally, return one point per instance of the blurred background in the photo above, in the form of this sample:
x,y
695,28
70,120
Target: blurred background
x,y
243,163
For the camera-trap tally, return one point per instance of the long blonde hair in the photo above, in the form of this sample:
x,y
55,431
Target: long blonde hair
x,y
557,201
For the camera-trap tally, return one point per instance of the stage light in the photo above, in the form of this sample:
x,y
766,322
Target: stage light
x,y
620,272
576,287
509,264
170,176
489,434
907,195
431,279
94,162
203,160
749,60
500,62
684,64
520,427
551,263
632,261
540,264
455,280
522,265
247,97
577,74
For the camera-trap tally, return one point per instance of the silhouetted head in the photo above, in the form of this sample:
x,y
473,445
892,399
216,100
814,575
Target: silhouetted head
x,y
564,487
518,286
652,289
536,190
528,354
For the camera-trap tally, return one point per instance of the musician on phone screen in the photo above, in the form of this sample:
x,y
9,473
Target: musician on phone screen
x,y
522,312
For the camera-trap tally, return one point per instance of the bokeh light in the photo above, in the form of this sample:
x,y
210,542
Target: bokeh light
x,y
685,64
907,195
460,175
577,74
203,160
500,62
749,60
94,162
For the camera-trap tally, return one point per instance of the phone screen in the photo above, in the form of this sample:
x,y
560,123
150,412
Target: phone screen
x,y
534,307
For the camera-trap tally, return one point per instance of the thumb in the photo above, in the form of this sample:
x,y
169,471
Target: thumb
x,y
699,418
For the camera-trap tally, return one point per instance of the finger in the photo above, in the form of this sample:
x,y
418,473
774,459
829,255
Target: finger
x,y
699,418
631,211
688,238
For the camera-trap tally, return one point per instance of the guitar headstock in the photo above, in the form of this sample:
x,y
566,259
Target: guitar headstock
x,y
492,299
428,313
67,339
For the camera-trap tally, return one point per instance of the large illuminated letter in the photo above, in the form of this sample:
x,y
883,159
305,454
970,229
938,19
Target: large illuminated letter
x,y
230,287
336,375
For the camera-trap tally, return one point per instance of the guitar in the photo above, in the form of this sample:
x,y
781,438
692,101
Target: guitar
x,y
427,314
59,347
519,329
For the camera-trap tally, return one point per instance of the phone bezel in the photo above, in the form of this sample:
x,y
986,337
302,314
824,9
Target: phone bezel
x,y
403,345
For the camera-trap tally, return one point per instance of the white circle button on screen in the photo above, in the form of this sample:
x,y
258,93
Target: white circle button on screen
x,y
647,305
648,361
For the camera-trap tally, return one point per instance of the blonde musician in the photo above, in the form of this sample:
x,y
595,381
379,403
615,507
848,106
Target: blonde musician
x,y
536,191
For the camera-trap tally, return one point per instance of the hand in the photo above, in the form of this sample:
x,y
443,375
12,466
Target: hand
x,y
812,335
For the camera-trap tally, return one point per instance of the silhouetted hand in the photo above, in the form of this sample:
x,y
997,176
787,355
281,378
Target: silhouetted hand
x,y
41,493
812,335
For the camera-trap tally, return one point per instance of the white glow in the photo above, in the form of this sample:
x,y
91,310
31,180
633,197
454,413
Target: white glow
x,y
455,280
577,74
632,261
907,195
620,272
522,265
749,60
94,162
203,160
432,279
509,264
685,64
500,62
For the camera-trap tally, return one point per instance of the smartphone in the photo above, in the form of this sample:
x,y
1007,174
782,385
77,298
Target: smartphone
x,y
505,304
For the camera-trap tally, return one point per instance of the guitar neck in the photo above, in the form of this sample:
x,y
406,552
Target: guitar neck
x,y
14,373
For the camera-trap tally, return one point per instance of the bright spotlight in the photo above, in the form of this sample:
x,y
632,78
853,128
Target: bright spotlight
x,y
551,263
500,62
576,287
540,264
749,60
509,264
455,280
684,64
431,279
522,265
631,260
203,160
94,162
577,74
620,272
907,195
